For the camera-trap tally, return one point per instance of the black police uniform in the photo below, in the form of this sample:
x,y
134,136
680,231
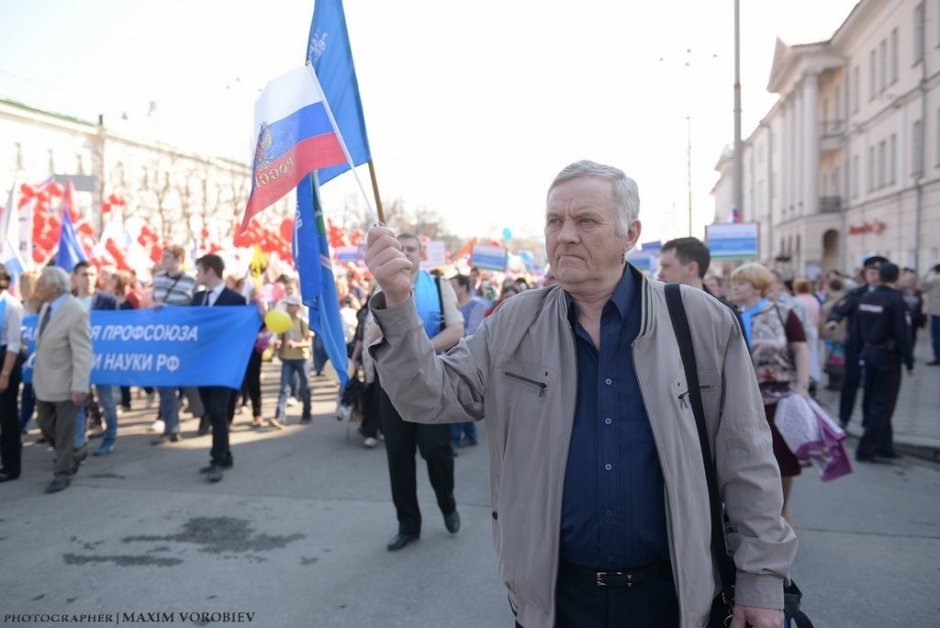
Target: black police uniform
x,y
882,334
852,373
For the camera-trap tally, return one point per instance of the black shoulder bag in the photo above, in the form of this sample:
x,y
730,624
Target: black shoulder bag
x,y
723,604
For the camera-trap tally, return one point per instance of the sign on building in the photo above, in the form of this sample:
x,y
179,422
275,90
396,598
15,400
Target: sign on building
x,y
732,241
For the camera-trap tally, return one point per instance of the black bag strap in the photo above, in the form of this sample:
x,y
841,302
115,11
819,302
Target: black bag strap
x,y
440,302
680,324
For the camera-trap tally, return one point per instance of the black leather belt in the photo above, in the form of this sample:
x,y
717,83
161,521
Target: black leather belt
x,y
621,578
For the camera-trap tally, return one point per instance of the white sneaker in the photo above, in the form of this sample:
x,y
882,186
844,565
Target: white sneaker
x,y
291,402
370,442
157,426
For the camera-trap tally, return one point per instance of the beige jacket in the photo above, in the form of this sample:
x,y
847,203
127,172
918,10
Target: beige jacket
x,y
517,371
63,353
931,287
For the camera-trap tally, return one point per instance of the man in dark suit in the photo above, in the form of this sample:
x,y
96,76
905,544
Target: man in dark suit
x,y
62,369
216,399
85,283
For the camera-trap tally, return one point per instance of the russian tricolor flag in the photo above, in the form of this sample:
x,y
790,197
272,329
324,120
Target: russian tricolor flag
x,y
294,136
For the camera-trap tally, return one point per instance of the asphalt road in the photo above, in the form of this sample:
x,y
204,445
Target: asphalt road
x,y
295,535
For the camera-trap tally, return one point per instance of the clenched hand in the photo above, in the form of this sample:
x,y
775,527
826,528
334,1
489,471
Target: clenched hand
x,y
388,265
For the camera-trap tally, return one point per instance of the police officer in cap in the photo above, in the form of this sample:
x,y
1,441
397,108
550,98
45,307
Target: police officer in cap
x,y
846,309
882,331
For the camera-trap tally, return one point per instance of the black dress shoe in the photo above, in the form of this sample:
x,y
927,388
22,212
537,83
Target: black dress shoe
x,y
58,484
208,469
400,541
215,473
452,522
7,477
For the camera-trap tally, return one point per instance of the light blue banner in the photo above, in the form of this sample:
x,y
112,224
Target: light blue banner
x,y
168,346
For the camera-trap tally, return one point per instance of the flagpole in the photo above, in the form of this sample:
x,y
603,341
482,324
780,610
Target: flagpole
x,y
342,143
375,190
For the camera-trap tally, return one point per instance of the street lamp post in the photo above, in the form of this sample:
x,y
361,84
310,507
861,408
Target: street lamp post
x,y
738,156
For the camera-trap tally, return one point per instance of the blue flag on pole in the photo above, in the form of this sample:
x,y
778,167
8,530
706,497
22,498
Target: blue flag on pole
x,y
331,55
70,249
329,51
317,286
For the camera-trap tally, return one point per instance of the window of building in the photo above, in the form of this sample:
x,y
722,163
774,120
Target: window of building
x,y
919,33
856,172
882,65
18,156
79,164
893,159
837,181
871,168
872,75
51,161
917,145
893,58
882,165
856,90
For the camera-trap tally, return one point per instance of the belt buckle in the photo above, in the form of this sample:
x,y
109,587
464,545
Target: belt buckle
x,y
600,577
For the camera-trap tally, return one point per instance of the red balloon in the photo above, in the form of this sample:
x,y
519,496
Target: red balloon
x,y
54,189
156,253
204,233
85,228
105,207
287,229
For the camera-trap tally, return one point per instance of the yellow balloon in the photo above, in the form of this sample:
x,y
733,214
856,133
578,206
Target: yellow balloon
x,y
277,321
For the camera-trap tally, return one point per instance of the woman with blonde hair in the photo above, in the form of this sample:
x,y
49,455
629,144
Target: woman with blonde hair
x,y
779,352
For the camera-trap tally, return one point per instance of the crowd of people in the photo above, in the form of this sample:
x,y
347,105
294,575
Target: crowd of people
x,y
588,422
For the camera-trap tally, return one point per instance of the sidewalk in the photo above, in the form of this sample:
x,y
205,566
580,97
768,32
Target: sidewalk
x,y
916,419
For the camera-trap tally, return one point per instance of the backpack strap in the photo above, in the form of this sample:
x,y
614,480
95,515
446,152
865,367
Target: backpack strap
x,y
680,324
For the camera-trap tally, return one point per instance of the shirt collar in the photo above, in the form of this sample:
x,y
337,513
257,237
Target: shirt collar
x,y
622,298
56,302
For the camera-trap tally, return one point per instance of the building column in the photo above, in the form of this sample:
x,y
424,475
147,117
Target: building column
x,y
811,144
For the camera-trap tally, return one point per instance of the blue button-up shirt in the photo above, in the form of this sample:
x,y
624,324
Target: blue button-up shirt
x,y
613,510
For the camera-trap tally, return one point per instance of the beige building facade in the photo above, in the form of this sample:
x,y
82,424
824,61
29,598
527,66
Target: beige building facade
x,y
847,162
178,193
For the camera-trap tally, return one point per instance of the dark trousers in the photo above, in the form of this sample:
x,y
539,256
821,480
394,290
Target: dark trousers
x,y
10,443
27,405
882,384
580,603
370,412
851,378
935,336
252,383
57,421
217,401
433,442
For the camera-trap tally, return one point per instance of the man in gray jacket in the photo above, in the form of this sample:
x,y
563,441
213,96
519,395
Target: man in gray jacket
x,y
599,499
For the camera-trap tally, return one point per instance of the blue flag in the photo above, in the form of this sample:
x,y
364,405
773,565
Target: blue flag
x,y
331,55
70,250
329,51
317,286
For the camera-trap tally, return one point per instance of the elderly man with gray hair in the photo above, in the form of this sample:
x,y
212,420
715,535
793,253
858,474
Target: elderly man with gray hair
x,y
61,370
600,505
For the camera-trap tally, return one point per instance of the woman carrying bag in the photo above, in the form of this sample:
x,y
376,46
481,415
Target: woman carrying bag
x,y
780,354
